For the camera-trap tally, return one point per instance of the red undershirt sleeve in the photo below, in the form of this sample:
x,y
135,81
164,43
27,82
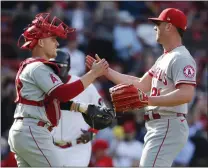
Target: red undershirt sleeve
x,y
67,92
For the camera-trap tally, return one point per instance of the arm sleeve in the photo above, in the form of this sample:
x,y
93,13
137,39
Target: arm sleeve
x,y
66,105
183,71
46,79
67,92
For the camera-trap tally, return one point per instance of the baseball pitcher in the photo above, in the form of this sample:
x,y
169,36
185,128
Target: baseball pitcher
x,y
39,92
171,82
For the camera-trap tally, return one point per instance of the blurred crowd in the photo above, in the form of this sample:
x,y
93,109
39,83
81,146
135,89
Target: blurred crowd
x,y
120,32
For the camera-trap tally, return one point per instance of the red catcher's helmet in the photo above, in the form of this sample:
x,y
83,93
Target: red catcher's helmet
x,y
41,27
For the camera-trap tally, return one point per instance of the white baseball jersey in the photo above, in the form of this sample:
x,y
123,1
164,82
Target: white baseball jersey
x,y
37,80
70,124
170,69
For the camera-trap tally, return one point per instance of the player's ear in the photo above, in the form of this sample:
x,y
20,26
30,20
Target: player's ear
x,y
40,42
168,26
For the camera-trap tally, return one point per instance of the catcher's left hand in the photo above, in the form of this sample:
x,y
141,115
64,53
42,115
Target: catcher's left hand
x,y
127,97
98,117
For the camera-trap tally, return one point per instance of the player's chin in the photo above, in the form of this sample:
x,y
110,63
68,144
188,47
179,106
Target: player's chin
x,y
158,40
54,54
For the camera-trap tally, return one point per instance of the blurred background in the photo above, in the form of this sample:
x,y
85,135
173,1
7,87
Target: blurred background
x,y
121,33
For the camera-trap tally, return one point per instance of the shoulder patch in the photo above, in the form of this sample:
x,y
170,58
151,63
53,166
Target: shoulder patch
x,y
53,78
189,71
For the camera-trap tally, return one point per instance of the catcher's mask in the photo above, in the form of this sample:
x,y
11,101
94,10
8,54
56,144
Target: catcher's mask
x,y
63,61
42,27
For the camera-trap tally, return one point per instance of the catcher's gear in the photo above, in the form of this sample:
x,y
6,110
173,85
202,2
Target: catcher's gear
x,y
127,97
63,61
63,57
42,27
99,117
53,66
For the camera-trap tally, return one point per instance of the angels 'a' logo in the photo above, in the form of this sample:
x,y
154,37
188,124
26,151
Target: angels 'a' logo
x,y
53,78
189,71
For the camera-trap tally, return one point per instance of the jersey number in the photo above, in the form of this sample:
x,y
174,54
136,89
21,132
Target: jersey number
x,y
155,91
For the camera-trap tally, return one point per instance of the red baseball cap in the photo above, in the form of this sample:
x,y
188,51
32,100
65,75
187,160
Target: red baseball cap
x,y
129,127
173,16
99,144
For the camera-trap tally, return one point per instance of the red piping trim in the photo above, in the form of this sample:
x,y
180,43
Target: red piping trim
x,y
186,81
150,73
185,84
38,146
161,144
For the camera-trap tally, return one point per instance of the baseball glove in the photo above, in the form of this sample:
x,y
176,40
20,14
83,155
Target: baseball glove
x,y
127,97
98,117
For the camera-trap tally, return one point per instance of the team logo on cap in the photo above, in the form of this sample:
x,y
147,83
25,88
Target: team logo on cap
x,y
189,71
168,18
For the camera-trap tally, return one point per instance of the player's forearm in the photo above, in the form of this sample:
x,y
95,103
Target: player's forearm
x,y
74,106
88,78
67,92
79,107
118,78
174,98
143,83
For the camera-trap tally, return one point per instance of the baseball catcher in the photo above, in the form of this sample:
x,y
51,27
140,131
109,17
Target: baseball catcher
x,y
39,91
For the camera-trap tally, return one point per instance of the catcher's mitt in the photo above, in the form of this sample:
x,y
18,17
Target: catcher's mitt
x,y
98,117
127,97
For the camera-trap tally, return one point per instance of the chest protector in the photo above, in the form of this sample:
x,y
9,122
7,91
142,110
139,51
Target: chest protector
x,y
52,105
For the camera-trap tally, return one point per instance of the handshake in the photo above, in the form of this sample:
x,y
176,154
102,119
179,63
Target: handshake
x,y
124,97
99,66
